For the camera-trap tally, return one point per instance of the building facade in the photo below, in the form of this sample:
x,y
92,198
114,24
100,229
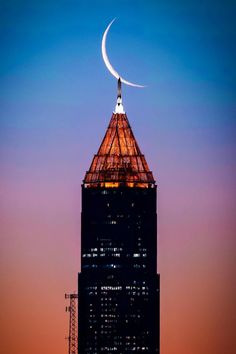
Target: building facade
x,y
118,286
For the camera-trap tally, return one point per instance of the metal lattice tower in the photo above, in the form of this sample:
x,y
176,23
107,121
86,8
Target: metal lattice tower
x,y
72,309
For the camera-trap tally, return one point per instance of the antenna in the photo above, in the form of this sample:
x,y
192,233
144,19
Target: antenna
x,y
119,106
119,88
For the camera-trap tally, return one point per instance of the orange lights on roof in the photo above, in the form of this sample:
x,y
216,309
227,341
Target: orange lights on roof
x,y
119,161
111,184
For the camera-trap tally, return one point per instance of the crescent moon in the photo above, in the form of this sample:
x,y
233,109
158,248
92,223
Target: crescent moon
x,y
107,61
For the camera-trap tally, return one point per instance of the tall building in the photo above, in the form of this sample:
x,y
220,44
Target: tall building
x,y
118,285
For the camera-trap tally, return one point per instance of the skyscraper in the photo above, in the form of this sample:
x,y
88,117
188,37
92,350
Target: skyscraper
x,y
118,285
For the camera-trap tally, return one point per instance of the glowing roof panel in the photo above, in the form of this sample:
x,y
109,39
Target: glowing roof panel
x,y
119,160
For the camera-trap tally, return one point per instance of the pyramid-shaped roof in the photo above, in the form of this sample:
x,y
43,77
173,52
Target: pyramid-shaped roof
x,y
119,161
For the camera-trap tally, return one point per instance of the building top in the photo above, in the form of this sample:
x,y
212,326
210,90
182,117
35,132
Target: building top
x,y
119,161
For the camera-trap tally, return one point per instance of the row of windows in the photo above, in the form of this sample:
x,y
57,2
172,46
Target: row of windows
x,y
108,308
111,287
133,347
114,191
113,222
110,321
136,266
93,255
134,286
137,293
133,293
120,215
109,315
135,255
117,254
136,349
108,242
112,249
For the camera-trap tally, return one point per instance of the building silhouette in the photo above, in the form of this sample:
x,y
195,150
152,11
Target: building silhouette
x,y
118,286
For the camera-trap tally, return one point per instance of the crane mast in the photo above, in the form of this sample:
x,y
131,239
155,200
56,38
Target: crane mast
x,y
73,337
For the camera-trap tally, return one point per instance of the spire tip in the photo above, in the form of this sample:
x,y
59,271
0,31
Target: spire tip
x,y
119,107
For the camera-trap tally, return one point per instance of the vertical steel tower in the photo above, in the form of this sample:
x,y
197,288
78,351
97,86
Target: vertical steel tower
x,y
118,285
73,328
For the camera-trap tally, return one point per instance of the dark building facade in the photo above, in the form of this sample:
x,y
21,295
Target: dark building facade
x,y
118,285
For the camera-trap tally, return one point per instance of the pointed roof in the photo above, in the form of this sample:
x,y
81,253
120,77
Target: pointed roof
x,y
119,161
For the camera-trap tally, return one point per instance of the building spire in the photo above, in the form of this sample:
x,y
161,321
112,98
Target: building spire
x,y
119,107
119,88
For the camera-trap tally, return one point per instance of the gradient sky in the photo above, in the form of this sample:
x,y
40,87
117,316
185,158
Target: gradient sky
x,y
56,99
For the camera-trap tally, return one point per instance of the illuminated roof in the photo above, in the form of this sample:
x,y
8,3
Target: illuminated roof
x,y
119,161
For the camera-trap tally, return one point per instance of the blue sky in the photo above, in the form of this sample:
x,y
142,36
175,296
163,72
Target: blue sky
x,y
51,67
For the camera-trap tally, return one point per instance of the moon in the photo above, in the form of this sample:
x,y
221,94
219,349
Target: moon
x,y
107,61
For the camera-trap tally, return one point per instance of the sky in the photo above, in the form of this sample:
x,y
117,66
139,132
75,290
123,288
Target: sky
x,y
56,100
